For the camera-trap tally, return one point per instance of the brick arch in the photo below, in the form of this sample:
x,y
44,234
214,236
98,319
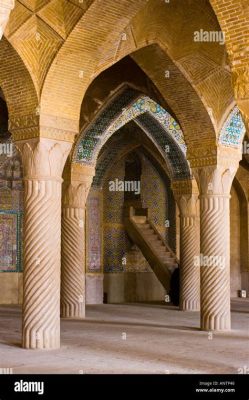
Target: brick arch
x,y
120,75
17,86
231,14
182,98
233,17
80,55
75,62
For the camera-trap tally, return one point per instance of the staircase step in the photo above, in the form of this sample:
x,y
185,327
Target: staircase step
x,y
151,236
140,219
158,245
149,232
145,227
162,260
164,254
168,260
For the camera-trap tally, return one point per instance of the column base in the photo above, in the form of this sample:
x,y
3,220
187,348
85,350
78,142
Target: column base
x,y
216,324
73,312
190,305
94,288
43,341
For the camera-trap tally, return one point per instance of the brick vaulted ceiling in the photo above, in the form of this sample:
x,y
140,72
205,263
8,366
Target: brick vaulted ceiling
x,y
38,28
61,46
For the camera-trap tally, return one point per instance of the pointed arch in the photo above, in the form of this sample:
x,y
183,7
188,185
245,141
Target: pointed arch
x,y
162,129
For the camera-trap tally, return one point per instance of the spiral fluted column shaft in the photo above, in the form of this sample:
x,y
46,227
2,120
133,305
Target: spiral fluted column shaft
x,y
43,162
190,272
73,276
214,175
42,222
75,192
215,262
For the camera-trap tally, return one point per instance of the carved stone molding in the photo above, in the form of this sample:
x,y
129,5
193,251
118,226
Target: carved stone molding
x,y
240,79
30,126
201,154
55,128
23,122
184,190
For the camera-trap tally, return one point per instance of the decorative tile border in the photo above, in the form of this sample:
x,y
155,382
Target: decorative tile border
x,y
17,217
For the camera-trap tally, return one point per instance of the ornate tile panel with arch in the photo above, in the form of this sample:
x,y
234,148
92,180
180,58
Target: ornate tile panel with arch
x,y
233,131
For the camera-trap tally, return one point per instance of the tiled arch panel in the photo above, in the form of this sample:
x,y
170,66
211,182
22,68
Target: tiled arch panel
x,y
233,130
151,117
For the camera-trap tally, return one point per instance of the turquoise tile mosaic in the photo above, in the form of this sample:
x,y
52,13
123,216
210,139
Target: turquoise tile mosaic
x,y
233,130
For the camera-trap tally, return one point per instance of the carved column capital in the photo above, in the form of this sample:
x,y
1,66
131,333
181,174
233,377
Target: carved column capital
x,y
186,194
75,195
43,159
216,179
78,182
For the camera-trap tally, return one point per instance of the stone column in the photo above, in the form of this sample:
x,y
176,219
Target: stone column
x,y
186,194
215,185
73,241
43,162
5,7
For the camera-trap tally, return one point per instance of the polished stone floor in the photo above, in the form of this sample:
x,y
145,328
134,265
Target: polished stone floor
x,y
131,338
